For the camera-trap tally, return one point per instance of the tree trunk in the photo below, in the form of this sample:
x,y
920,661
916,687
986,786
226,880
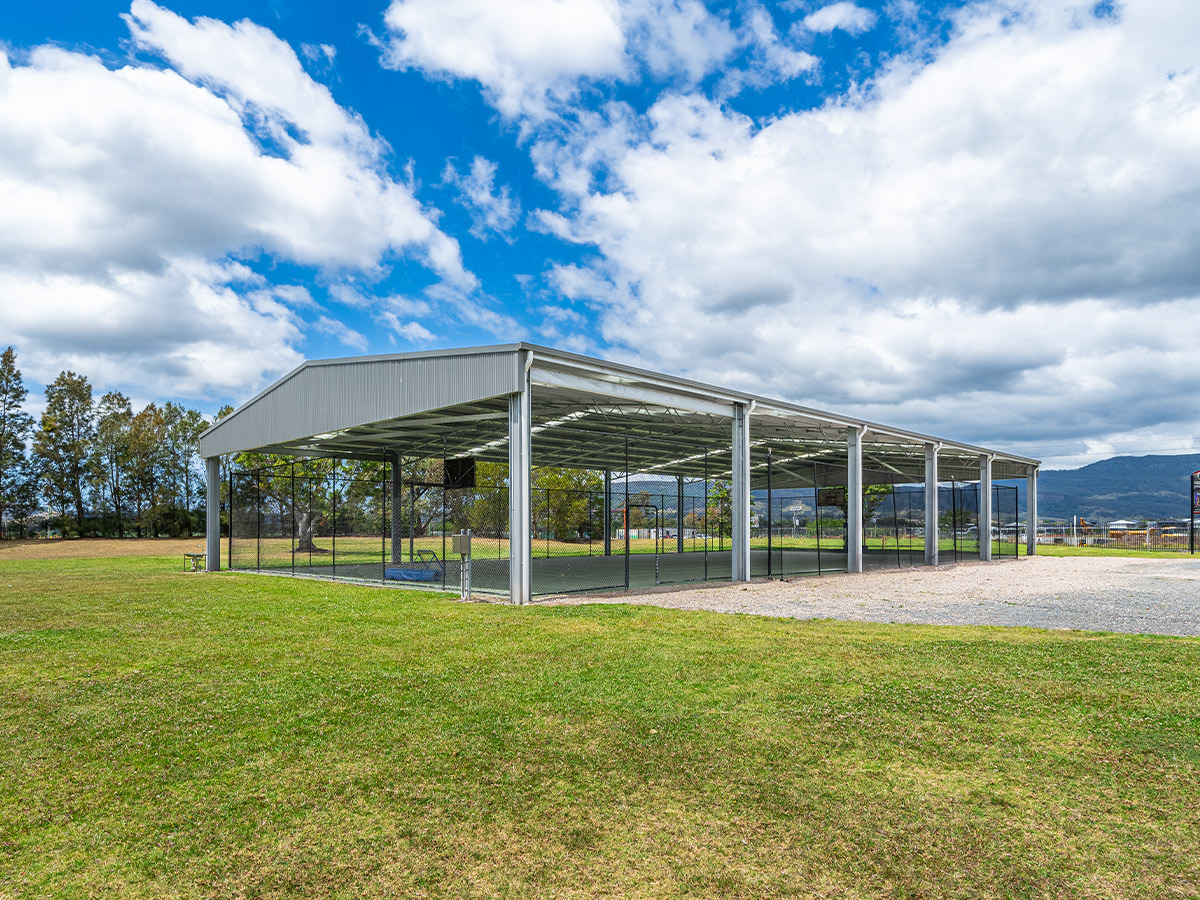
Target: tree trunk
x,y
306,522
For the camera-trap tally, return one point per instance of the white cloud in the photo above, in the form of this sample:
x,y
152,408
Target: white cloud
x,y
133,188
412,332
341,332
320,55
524,52
530,55
401,305
978,245
494,211
191,329
677,38
772,60
845,15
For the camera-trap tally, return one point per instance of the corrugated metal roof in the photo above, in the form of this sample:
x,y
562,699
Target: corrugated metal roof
x,y
324,397
327,396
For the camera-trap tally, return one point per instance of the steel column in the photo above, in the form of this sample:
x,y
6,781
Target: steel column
x,y
931,504
212,515
1031,511
854,500
397,509
678,513
985,507
740,538
608,512
520,552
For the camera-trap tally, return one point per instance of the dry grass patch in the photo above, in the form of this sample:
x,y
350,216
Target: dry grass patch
x,y
104,548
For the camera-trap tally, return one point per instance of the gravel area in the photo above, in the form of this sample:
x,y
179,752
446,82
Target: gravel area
x,y
1140,596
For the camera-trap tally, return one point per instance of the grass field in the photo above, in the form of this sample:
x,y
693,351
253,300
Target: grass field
x,y
166,734
1064,550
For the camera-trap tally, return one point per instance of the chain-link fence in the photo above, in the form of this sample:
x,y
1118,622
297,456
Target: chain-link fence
x,y
634,539
1165,537
346,526
1006,528
634,535
958,522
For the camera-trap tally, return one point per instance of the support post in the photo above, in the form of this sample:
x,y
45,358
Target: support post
x,y
985,507
1031,511
770,504
931,504
678,513
212,514
397,509
740,538
854,499
520,554
608,512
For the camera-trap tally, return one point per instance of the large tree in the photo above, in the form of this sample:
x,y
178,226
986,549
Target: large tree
x,y
64,439
147,437
15,428
564,503
181,451
111,457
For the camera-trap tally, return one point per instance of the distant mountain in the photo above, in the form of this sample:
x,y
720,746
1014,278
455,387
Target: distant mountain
x,y
1125,487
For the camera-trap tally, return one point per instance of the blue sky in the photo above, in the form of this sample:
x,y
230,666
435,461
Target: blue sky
x,y
977,219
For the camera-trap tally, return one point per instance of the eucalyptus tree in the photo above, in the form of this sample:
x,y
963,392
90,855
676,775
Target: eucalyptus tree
x,y
185,434
64,439
15,427
146,442
111,456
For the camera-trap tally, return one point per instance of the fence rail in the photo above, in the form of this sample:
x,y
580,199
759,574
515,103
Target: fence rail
x,y
1173,539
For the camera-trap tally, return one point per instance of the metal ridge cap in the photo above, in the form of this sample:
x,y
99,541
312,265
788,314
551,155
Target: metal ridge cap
x,y
417,354
595,366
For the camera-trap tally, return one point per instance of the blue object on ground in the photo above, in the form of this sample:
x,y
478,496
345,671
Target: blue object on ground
x,y
412,574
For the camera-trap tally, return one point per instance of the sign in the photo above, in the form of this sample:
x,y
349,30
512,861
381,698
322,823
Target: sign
x,y
833,496
1195,512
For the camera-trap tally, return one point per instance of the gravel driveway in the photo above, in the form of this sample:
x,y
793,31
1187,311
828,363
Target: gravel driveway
x,y
1150,596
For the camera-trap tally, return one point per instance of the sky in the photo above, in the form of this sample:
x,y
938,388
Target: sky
x,y
979,220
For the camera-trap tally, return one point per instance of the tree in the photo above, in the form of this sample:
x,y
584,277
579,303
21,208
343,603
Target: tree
x,y
487,509
111,455
146,439
15,428
873,497
64,439
25,497
181,429
561,501
720,508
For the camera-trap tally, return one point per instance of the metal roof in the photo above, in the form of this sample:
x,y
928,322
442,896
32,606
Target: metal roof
x,y
588,413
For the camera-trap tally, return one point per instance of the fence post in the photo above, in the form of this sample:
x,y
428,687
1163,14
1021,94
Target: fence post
x,y
626,505
258,520
292,491
770,515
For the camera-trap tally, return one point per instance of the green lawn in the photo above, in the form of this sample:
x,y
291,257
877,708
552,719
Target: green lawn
x,y
164,734
1064,550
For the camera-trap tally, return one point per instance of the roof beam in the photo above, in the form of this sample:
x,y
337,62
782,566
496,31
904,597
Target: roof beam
x,y
628,391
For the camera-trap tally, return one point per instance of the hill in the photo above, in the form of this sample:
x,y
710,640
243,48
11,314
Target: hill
x,y
1125,487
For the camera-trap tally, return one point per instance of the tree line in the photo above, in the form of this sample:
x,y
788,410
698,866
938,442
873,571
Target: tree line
x,y
96,468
